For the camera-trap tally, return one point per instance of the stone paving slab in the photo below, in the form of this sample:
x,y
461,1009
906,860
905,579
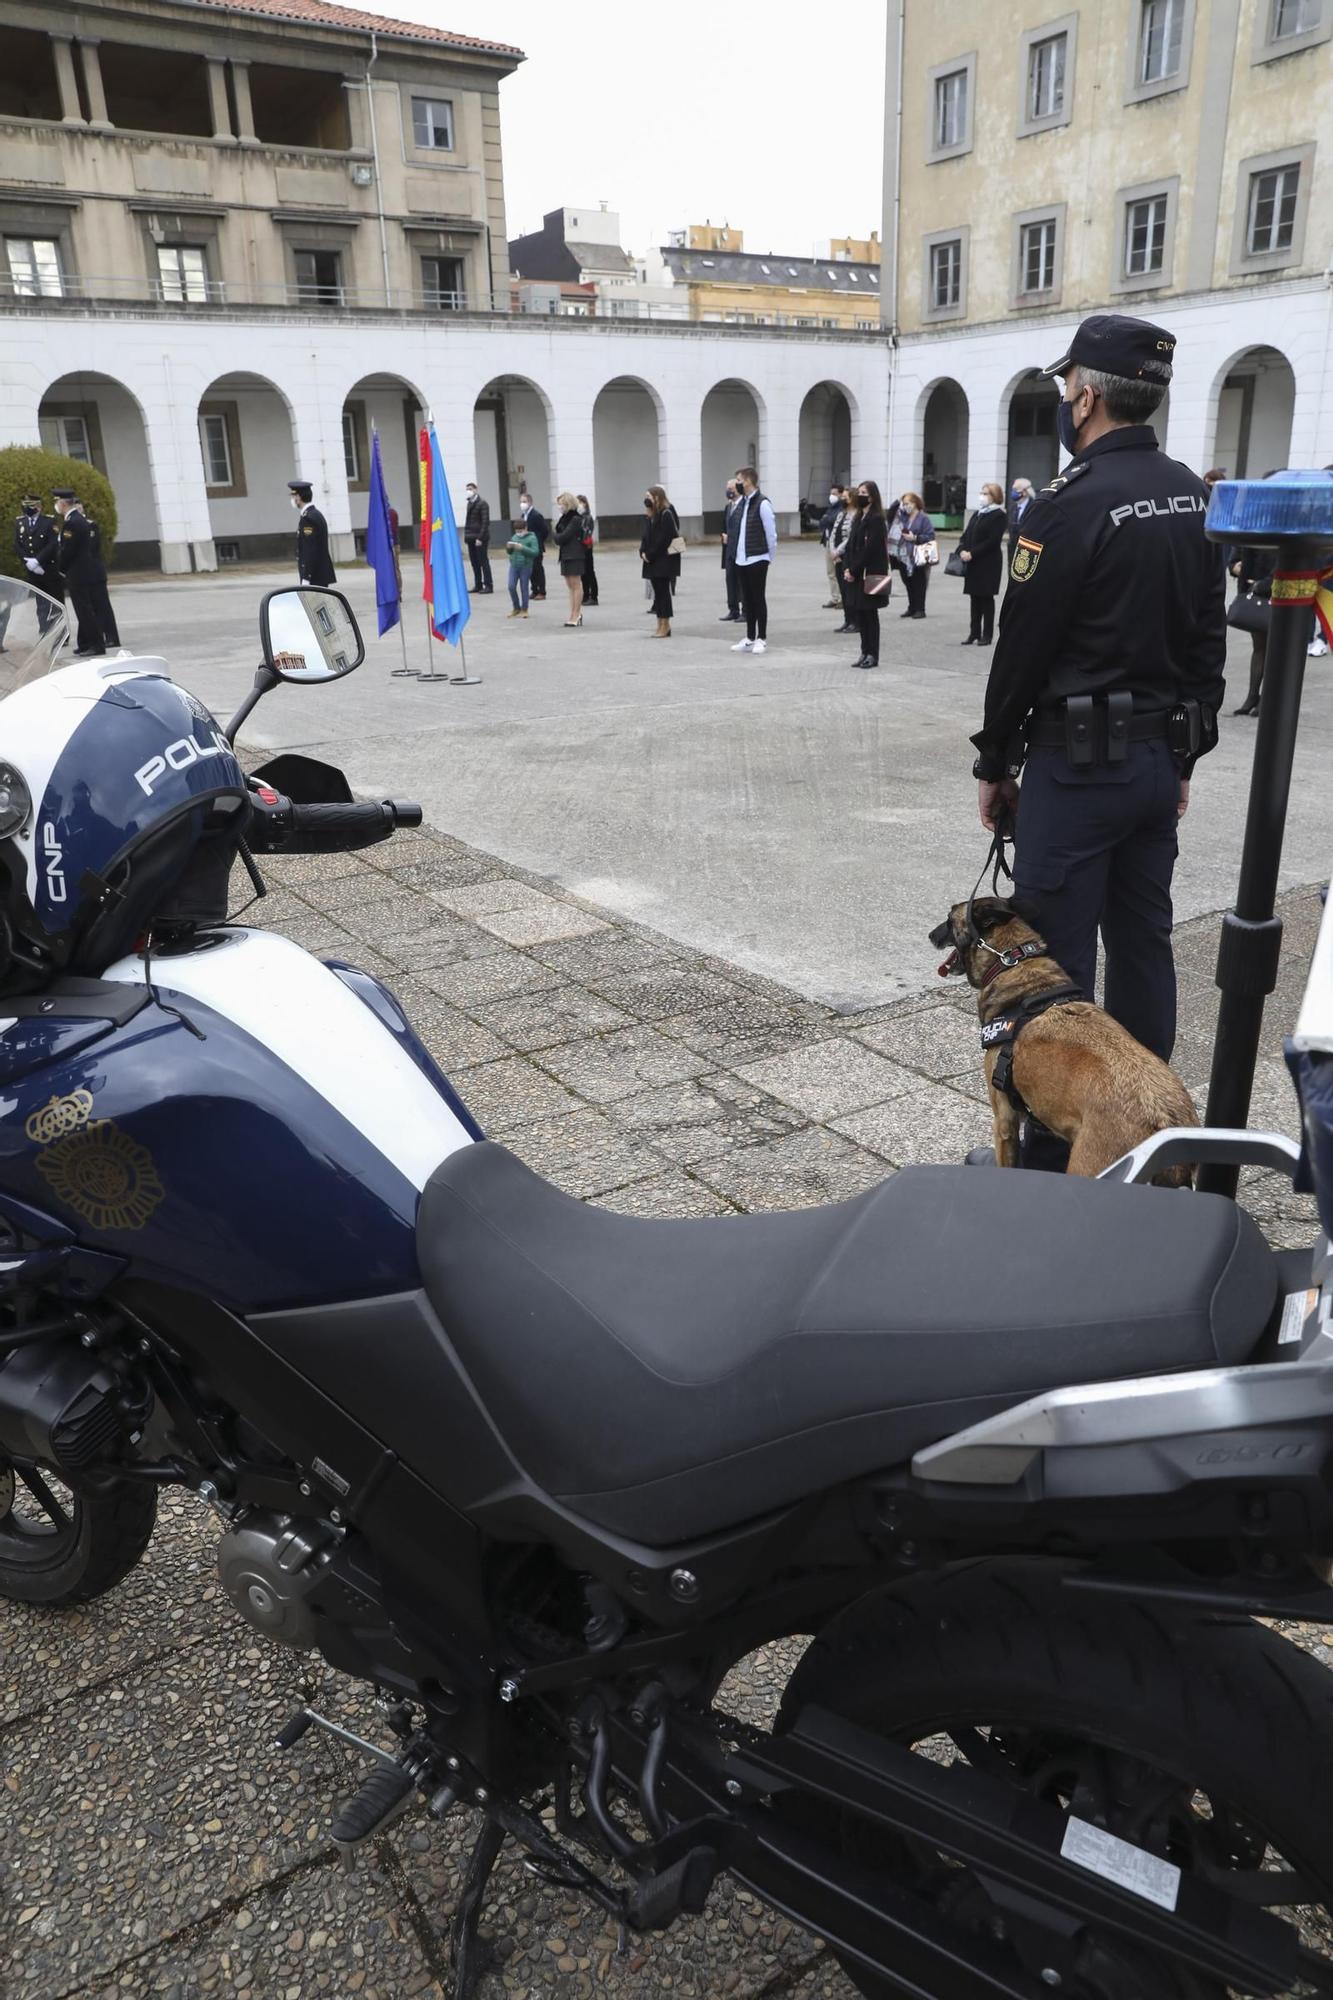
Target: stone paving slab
x,y
151,1846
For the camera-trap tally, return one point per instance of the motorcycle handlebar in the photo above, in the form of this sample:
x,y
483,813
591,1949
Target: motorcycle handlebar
x,y
291,828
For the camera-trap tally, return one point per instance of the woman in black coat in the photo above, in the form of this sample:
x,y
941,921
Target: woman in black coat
x,y
981,547
1253,569
569,541
867,559
589,537
660,528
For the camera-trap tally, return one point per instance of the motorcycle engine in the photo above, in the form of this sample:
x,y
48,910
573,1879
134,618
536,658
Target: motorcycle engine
x,y
269,1564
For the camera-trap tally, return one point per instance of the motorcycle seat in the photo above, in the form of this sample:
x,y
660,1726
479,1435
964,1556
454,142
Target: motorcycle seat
x,y
667,1379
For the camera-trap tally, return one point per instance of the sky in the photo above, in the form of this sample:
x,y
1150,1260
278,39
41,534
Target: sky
x,y
765,114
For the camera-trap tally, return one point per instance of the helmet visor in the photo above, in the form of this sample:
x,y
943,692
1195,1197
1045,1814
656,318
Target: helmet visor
x,y
34,632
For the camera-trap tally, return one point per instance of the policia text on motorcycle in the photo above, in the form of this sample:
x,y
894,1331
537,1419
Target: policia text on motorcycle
x,y
314,564
1107,678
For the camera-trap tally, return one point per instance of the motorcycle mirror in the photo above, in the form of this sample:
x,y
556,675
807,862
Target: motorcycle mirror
x,y
309,635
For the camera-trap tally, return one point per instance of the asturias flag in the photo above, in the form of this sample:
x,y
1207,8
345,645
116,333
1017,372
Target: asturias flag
x,y
379,545
445,587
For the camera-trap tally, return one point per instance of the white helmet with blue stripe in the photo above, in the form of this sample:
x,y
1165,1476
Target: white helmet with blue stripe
x,y
115,785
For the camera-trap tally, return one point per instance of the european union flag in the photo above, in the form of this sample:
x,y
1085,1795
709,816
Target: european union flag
x,y
380,552
446,584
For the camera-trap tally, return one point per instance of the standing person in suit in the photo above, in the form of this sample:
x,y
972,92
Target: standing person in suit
x,y
756,546
589,542
537,524
981,548
477,536
732,614
37,546
314,564
1020,499
660,528
867,560
918,533
85,575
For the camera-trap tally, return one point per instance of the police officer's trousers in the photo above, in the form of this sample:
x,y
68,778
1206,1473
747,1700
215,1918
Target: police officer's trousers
x,y
1095,851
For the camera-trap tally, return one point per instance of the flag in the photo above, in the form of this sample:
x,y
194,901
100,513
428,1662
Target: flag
x,y
380,551
445,585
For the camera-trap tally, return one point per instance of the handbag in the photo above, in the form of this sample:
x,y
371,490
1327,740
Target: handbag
x,y
955,566
1249,613
676,546
929,552
876,586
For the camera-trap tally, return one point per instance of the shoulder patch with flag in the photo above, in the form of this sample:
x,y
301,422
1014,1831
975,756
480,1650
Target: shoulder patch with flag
x,y
1026,557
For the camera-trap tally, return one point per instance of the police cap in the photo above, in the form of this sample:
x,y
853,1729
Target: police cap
x,y
63,493
301,488
1119,345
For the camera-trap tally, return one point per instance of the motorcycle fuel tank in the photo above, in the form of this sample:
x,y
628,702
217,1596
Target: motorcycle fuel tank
x,y
260,1131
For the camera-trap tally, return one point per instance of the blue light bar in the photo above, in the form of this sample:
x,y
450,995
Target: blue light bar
x,y
1295,504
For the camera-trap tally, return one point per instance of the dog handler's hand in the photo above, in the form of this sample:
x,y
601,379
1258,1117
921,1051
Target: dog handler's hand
x,y
1183,802
995,795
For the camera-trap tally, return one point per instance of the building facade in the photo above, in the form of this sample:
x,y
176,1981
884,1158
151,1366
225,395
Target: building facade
x,y
243,237
727,285
1167,158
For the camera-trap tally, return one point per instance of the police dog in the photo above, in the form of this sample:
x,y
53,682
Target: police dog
x,y
1077,1070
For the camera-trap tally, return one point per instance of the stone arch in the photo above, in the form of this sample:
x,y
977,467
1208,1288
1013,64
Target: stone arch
x,y
513,433
733,419
247,446
387,403
95,417
827,441
1251,405
943,423
628,451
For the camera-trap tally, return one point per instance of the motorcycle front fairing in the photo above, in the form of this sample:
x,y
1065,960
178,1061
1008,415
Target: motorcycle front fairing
x,y
259,1132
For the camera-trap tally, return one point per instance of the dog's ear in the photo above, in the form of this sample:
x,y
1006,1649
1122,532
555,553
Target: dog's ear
x,y
1025,912
990,913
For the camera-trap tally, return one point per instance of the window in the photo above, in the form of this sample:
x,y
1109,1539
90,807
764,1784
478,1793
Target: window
x,y
68,436
1145,236
215,444
1036,256
442,283
318,277
1293,17
950,110
946,274
351,448
1272,213
1046,78
182,274
1161,37
34,267
433,123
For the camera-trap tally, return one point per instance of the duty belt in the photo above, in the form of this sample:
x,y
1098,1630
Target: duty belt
x,y
1098,729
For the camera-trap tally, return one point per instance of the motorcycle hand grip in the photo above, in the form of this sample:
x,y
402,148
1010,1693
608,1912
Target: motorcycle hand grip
x,y
337,829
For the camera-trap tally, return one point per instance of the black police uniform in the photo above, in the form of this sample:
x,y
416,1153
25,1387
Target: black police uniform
x,y
37,539
1109,666
101,596
314,564
85,582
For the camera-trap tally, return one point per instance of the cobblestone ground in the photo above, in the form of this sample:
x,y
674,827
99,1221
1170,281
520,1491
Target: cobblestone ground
x,y
151,1844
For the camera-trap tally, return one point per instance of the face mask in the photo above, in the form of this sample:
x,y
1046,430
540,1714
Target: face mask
x,y
472,493
834,498
28,508
863,499
1065,428
649,505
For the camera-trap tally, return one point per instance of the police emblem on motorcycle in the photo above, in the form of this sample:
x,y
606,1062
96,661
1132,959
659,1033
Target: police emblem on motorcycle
x,y
103,1175
58,1116
1026,557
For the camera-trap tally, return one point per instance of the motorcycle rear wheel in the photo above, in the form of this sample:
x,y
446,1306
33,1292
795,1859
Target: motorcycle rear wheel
x,y
1204,1743
58,1547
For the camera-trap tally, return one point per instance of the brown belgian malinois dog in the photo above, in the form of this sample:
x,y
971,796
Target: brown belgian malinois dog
x,y
1078,1071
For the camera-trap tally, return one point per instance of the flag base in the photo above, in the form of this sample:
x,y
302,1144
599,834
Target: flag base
x,y
432,676
405,673
465,681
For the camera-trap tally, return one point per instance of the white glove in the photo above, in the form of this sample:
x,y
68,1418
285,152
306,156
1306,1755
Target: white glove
x,y
31,562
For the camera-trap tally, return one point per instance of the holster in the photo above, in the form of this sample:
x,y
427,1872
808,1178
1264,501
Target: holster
x,y
1185,728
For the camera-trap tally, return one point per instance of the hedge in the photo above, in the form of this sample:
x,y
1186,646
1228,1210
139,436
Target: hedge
x,y
28,468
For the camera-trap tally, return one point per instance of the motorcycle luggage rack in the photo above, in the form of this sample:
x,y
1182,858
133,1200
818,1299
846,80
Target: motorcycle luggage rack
x,y
1204,1145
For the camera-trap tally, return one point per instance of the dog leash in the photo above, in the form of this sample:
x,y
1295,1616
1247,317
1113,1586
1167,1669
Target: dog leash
x,y
1002,837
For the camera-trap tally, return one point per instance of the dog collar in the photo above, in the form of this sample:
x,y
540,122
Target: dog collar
x,y
1005,961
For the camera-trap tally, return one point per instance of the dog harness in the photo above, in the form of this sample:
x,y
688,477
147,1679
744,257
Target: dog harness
x,y
1003,1032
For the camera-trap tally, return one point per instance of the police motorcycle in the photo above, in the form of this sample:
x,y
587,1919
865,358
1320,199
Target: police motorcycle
x,y
1038,1464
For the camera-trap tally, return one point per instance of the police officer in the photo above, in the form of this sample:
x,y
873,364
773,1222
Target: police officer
x,y
84,573
1107,677
37,546
314,565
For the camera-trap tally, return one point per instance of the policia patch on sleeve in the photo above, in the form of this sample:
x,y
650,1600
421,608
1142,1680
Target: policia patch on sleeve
x,y
1026,557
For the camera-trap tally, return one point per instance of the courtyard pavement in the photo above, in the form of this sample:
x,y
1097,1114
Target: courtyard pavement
x,y
151,1842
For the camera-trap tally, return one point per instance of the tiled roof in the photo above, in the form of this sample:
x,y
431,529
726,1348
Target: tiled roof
x,y
745,267
327,14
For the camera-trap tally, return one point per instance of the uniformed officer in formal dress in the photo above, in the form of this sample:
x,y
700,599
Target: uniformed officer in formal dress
x,y
314,565
37,546
84,572
1107,679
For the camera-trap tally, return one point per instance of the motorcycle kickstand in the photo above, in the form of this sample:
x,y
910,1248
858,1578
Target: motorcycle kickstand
x,y
470,1953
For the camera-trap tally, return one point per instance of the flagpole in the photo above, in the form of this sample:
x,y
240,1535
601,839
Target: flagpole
x,y
465,679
